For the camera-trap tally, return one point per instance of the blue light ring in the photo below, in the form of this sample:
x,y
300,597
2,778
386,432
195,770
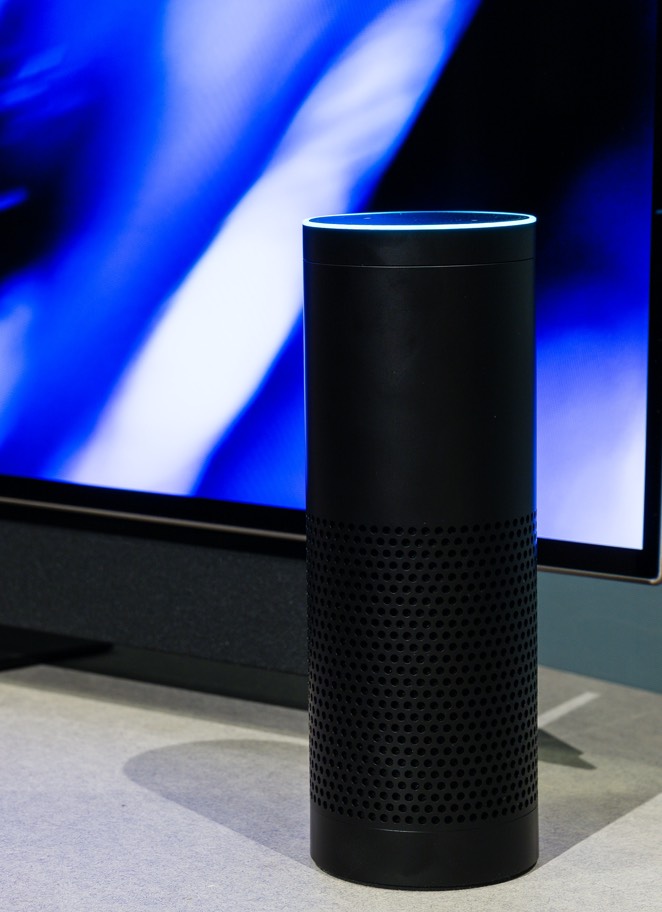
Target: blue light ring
x,y
419,220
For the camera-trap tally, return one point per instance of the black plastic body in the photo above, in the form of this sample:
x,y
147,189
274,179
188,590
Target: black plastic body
x,y
421,554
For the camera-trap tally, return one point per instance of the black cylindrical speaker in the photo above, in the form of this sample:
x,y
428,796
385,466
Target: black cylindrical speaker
x,y
420,423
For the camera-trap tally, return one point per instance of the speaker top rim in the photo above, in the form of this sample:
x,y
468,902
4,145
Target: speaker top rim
x,y
413,239
420,220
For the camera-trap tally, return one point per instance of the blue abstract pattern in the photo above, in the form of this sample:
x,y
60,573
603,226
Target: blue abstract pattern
x,y
167,154
156,162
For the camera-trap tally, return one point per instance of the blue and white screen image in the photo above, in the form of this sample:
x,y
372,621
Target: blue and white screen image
x,y
156,162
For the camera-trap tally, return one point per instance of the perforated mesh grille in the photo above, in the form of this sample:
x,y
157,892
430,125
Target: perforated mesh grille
x,y
422,669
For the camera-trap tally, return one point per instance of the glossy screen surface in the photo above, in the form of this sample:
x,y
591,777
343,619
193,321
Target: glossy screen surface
x,y
156,163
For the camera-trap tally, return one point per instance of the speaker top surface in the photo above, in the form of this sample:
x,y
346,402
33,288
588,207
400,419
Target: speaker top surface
x,y
418,238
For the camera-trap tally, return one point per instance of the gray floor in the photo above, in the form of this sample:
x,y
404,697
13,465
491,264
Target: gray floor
x,y
116,795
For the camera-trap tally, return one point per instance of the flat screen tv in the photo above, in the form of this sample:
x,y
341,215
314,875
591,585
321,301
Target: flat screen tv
x,y
156,162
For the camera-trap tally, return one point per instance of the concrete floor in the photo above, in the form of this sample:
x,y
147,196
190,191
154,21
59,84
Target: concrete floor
x,y
117,795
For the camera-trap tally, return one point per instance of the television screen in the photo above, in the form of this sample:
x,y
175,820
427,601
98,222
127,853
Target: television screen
x,y
156,163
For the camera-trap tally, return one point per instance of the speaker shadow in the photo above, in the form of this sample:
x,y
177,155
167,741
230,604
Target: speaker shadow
x,y
257,788
552,750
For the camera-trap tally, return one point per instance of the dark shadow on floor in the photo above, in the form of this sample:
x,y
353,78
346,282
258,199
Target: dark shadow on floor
x,y
553,750
256,788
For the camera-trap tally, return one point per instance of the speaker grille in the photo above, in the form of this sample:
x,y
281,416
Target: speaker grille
x,y
422,671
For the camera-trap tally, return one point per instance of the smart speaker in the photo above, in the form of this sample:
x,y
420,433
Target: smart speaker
x,y
421,561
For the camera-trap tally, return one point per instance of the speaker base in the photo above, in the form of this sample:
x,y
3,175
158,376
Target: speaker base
x,y
423,860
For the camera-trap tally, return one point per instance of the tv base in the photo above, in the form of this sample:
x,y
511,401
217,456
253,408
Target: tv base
x,y
20,647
